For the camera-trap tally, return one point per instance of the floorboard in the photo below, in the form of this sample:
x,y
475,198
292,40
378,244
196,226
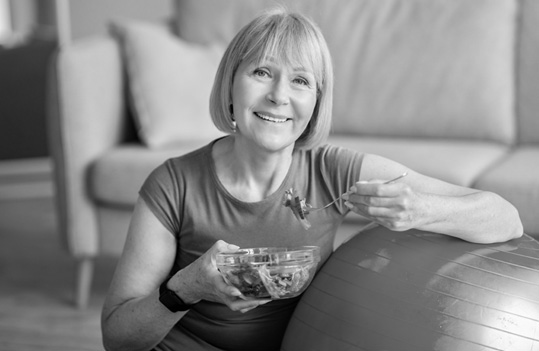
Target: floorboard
x,y
36,283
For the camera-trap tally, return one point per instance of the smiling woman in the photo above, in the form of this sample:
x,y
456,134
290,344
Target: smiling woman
x,y
272,95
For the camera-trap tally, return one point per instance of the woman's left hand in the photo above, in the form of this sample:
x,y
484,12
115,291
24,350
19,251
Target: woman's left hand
x,y
395,205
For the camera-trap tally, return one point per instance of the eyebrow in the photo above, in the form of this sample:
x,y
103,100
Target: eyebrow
x,y
273,60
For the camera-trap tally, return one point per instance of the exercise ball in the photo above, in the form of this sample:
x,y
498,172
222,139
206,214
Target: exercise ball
x,y
400,291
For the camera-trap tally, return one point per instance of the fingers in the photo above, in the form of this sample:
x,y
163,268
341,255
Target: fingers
x,y
230,295
370,211
373,199
382,202
244,310
208,283
236,301
377,188
246,306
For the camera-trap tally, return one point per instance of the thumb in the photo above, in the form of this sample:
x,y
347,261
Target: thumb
x,y
223,246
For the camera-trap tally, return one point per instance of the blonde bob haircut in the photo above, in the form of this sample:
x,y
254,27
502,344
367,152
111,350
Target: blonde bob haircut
x,y
291,38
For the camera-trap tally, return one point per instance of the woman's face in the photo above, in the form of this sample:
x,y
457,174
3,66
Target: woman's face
x,y
273,103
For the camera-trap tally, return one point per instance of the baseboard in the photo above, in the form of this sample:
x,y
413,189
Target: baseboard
x,y
26,178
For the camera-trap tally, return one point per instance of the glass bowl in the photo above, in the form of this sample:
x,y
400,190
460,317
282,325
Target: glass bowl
x,y
274,272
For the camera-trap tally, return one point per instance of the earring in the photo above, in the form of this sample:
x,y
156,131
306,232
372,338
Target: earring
x,y
233,121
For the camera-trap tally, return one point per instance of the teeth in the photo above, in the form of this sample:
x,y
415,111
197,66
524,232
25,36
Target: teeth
x,y
271,119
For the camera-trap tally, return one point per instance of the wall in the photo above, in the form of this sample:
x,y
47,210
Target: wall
x,y
22,99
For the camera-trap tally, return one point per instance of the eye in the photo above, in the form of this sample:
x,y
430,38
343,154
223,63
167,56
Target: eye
x,y
261,72
301,81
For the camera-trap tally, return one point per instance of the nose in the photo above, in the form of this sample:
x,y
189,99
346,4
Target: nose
x,y
279,93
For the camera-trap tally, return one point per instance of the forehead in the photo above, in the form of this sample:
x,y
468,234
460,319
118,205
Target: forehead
x,y
296,56
292,65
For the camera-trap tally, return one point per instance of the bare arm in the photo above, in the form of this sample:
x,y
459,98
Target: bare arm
x,y
429,204
132,317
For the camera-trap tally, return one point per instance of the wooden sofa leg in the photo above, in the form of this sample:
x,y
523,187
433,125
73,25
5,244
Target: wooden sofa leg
x,y
85,271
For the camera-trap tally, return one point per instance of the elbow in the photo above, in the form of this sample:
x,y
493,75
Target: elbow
x,y
511,226
508,227
108,344
515,228
518,228
109,340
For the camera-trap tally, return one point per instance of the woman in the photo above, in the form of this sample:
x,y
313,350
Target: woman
x,y
273,96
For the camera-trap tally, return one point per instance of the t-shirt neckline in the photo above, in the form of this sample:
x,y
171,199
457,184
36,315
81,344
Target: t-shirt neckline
x,y
277,195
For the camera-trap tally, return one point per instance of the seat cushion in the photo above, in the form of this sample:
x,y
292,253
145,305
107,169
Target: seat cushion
x,y
516,178
117,176
457,162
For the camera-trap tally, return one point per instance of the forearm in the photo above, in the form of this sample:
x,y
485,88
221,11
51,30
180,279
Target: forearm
x,y
481,217
137,324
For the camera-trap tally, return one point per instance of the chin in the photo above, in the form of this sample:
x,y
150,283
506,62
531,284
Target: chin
x,y
277,145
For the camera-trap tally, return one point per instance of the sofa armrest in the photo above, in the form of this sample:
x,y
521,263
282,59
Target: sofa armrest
x,y
86,117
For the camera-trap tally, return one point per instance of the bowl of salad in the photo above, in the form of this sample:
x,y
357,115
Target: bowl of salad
x,y
270,272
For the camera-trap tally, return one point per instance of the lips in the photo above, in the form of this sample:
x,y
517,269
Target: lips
x,y
271,117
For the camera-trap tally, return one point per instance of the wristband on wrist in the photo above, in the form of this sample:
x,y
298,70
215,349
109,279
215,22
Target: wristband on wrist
x,y
170,299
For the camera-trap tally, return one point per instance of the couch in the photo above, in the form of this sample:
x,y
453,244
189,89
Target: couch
x,y
449,88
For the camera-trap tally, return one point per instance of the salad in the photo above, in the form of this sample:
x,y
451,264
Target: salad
x,y
266,281
299,207
276,272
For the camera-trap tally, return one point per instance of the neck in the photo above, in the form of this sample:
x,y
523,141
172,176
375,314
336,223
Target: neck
x,y
250,174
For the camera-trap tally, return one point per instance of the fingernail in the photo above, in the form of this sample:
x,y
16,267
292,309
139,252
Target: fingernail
x,y
236,293
264,302
348,204
345,196
353,189
233,247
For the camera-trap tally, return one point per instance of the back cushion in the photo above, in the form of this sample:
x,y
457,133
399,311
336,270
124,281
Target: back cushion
x,y
415,68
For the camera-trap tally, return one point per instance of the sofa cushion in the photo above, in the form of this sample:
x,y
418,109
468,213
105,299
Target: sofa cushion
x,y
457,162
516,178
221,19
169,82
116,177
528,72
422,68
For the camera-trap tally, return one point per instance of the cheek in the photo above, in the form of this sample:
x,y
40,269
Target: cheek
x,y
243,96
307,107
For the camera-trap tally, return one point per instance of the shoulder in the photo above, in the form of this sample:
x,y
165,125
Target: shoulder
x,y
196,156
176,168
333,154
187,162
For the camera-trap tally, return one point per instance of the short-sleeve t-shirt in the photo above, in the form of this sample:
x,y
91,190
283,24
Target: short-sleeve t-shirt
x,y
185,194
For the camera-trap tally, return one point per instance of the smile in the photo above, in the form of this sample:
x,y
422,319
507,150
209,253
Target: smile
x,y
273,119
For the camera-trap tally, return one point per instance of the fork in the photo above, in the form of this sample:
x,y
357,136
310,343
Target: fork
x,y
314,209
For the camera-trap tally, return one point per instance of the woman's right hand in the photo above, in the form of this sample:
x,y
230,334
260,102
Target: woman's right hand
x,y
201,280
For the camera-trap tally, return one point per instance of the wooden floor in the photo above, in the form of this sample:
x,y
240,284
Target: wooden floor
x,y
36,280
